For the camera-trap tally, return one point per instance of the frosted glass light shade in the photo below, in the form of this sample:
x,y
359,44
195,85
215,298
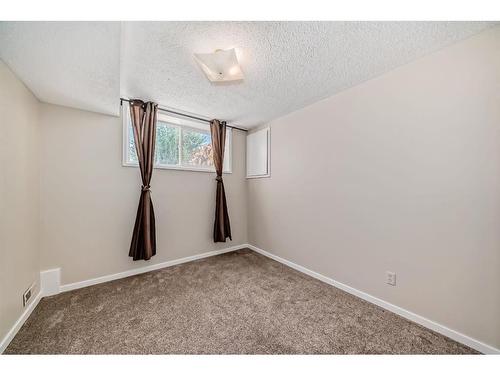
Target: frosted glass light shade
x,y
220,66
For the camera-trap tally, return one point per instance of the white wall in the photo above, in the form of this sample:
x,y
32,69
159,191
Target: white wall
x,y
89,200
19,196
401,173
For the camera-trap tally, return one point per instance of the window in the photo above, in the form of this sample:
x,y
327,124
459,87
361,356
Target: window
x,y
258,152
180,144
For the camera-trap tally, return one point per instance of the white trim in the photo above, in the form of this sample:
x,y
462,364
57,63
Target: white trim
x,y
268,174
50,281
19,323
181,121
153,267
457,336
176,168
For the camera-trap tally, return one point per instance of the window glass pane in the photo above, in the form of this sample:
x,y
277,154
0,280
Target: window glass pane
x,y
180,146
196,148
167,144
132,153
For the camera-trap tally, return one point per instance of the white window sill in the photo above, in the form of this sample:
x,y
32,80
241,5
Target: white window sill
x,y
178,168
259,176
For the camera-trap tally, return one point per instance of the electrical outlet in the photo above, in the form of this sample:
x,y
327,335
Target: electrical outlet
x,y
27,295
390,278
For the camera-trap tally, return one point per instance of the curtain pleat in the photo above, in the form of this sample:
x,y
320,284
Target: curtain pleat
x,y
222,227
143,115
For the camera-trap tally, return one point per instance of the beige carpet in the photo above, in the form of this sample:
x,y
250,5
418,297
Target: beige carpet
x,y
239,302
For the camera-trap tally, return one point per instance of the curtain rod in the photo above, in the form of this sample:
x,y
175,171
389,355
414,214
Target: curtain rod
x,y
185,115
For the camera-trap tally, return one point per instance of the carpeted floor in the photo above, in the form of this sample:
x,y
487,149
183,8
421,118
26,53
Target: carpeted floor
x,y
239,302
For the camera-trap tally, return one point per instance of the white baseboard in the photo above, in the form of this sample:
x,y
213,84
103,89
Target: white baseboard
x,y
19,323
153,267
457,336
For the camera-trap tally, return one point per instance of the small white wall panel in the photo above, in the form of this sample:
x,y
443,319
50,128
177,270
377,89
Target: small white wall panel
x,y
258,148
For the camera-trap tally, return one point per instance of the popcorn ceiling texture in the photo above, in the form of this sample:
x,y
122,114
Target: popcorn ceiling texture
x,y
74,64
239,302
287,65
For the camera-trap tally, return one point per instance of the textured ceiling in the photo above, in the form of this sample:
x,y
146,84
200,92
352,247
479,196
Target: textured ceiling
x,y
75,64
287,65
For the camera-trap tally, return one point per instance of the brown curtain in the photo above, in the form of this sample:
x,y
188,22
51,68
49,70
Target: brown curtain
x,y
222,227
143,117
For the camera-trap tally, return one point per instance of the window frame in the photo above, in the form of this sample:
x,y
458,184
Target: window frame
x,y
180,123
267,129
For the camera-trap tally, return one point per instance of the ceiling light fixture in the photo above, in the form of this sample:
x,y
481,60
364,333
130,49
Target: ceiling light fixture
x,y
220,66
